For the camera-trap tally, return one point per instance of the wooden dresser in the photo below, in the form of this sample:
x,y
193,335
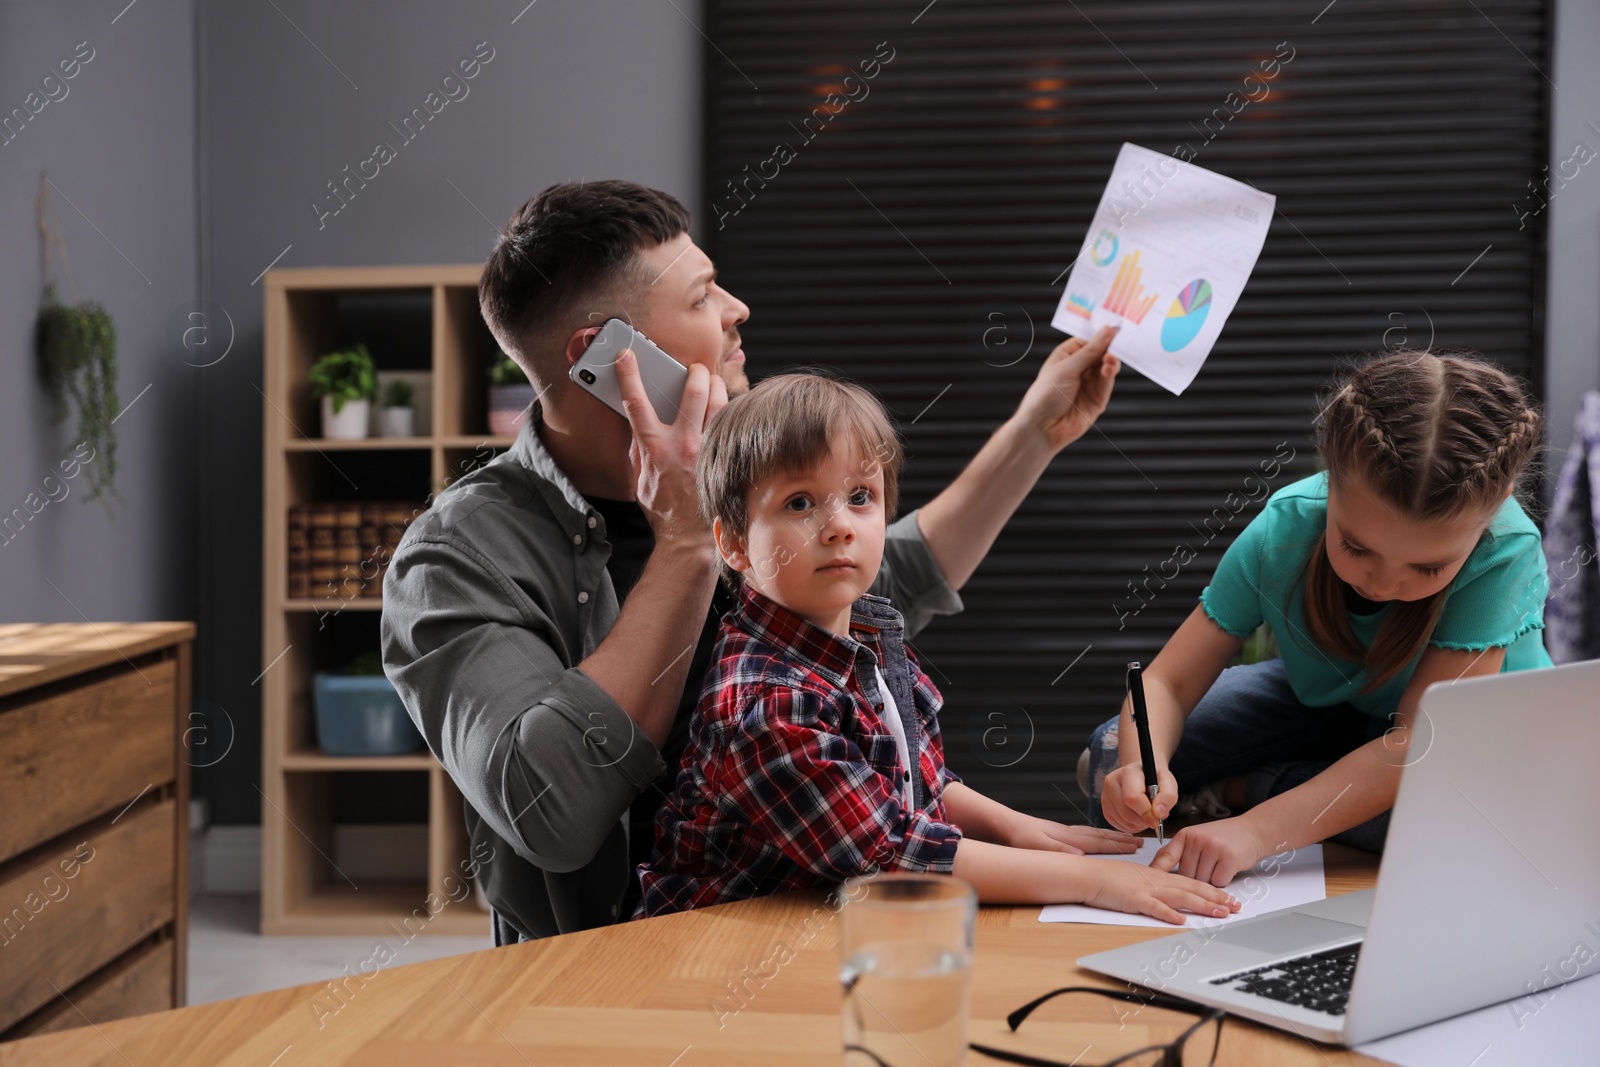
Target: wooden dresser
x,y
94,822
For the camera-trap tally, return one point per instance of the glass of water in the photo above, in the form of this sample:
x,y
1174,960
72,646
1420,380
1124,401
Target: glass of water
x,y
905,942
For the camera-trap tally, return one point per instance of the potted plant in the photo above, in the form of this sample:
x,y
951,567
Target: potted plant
x,y
510,396
347,382
396,416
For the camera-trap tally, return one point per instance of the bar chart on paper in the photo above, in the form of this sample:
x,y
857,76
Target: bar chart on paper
x,y
1127,297
1165,260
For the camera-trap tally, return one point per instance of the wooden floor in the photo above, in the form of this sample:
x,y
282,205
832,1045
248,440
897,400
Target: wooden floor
x,y
754,982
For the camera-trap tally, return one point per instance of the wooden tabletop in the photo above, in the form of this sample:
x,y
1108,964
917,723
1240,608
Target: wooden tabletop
x,y
752,982
33,653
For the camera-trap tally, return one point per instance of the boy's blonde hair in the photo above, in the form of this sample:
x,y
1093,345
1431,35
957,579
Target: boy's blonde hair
x,y
787,425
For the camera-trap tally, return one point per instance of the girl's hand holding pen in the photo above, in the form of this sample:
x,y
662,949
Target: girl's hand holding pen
x,y
1127,804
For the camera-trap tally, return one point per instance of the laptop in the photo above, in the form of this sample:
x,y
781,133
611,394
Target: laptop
x,y
1489,888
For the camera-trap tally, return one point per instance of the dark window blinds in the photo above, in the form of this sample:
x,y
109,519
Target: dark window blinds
x,y
898,189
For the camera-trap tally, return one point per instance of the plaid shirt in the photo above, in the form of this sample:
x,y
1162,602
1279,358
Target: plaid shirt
x,y
790,777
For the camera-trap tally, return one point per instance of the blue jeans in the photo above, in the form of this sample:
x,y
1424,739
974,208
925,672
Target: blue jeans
x,y
1251,723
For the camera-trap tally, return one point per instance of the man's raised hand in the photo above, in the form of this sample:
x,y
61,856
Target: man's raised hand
x,y
1071,389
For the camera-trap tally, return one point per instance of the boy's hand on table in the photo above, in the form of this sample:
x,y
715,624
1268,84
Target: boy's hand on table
x,y
1142,891
1042,835
1126,802
1213,852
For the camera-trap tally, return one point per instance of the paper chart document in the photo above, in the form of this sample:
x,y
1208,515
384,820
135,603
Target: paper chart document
x,y
1283,881
1166,257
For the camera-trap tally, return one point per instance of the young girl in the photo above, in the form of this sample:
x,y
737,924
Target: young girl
x,y
1406,563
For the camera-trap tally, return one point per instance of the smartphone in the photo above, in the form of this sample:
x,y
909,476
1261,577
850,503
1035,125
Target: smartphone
x,y
595,372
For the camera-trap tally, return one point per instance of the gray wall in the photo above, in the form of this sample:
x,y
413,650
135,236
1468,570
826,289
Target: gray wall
x,y
597,88
1572,336
119,145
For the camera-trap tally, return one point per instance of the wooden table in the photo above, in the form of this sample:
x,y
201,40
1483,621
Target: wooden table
x,y
746,983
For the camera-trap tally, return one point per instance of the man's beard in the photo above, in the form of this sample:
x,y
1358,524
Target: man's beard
x,y
734,377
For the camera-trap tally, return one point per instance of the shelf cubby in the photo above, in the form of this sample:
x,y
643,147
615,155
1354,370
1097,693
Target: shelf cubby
x,y
421,322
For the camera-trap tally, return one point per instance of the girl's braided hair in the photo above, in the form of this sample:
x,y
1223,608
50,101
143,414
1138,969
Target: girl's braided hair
x,y
1438,437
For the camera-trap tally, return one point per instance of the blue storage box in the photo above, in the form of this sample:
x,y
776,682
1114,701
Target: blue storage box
x,y
361,715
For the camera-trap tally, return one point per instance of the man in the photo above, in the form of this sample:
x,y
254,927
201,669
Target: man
x,y
549,620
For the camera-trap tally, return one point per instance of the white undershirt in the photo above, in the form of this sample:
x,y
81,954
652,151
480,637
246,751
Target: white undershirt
x,y
891,719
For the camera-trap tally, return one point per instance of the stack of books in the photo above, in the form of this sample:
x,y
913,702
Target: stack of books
x,y
340,550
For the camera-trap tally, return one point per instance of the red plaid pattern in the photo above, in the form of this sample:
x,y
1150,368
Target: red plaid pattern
x,y
790,777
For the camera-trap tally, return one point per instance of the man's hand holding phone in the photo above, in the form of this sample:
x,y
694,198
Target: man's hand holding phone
x,y
664,454
642,662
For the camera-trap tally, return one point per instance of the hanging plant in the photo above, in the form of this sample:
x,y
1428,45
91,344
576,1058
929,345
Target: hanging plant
x,y
77,346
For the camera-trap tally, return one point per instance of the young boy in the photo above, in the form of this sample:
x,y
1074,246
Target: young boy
x,y
814,754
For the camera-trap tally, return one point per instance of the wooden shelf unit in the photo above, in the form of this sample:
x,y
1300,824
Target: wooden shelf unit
x,y
302,891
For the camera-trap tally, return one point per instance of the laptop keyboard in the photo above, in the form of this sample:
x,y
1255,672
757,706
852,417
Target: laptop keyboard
x,y
1320,982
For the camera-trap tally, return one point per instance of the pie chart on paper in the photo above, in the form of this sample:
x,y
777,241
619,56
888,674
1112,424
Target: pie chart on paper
x,y
1186,315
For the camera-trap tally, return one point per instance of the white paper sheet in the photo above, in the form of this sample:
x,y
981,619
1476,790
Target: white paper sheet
x,y
1286,880
1550,1027
1166,257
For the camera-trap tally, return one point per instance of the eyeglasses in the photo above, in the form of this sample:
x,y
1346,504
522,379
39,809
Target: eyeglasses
x,y
1195,1047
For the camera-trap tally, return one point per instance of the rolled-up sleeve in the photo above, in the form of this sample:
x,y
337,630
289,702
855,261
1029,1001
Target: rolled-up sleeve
x,y
910,577
544,755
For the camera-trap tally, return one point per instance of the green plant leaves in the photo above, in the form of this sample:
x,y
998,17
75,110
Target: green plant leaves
x,y
78,352
505,371
397,394
344,376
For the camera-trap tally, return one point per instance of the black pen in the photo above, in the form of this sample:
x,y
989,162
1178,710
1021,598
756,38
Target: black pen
x,y
1147,754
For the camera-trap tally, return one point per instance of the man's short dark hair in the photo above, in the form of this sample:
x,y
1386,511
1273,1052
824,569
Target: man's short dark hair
x,y
565,258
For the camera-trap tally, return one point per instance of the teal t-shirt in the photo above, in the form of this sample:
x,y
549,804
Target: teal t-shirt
x,y
1495,601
